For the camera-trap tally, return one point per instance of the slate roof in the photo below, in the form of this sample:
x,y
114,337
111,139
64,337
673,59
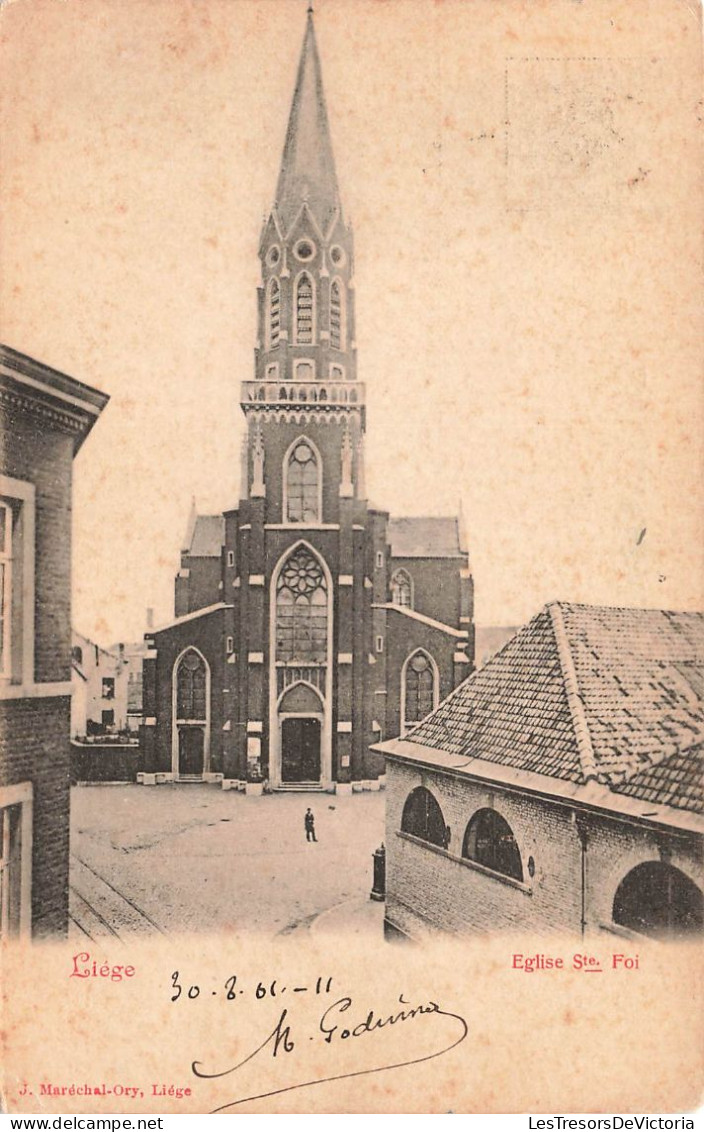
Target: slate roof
x,y
424,537
587,693
208,536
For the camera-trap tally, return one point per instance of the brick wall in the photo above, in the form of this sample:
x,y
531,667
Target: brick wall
x,y
429,890
104,762
34,747
44,458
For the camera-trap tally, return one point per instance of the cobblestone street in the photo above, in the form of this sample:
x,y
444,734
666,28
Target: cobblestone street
x,y
194,858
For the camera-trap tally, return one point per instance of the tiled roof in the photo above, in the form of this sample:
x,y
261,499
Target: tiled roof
x,y
513,711
424,538
584,692
208,536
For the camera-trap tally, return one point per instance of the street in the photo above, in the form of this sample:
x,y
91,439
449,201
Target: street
x,y
190,857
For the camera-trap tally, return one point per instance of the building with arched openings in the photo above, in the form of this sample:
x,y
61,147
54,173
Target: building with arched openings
x,y
308,623
560,787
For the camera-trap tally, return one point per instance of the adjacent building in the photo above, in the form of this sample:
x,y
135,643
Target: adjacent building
x,y
46,417
308,622
559,788
100,679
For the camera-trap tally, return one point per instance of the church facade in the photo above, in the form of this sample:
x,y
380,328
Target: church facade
x,y
309,624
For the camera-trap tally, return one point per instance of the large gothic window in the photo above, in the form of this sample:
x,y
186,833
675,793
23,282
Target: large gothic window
x,y
301,610
419,688
401,589
489,841
337,316
304,310
191,685
274,314
302,485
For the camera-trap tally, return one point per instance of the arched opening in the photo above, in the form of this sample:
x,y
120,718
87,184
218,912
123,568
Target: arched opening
x,y
273,314
489,841
422,817
303,483
337,315
191,714
305,310
419,688
402,589
656,899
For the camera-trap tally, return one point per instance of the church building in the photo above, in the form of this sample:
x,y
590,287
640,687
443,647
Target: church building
x,y
309,624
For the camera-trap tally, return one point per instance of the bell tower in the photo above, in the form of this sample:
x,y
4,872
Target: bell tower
x,y
305,366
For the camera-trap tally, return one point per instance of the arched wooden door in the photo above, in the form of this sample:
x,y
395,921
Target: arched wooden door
x,y
300,750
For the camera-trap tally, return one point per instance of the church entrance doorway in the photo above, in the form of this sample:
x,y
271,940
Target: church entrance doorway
x,y
191,752
300,750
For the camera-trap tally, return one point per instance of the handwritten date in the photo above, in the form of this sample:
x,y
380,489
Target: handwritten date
x,y
263,989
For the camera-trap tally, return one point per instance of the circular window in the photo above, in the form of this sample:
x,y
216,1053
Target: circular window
x,y
302,454
273,255
419,663
337,255
304,250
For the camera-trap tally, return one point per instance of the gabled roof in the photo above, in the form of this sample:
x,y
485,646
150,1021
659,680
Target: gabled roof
x,y
308,166
424,537
207,536
587,693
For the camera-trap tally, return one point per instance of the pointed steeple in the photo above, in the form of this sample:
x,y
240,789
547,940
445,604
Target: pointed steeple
x,y
308,166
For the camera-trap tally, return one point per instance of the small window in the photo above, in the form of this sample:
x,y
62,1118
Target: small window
x,y
77,654
489,841
380,644
337,373
230,645
423,818
108,692
305,371
10,870
379,560
108,718
230,558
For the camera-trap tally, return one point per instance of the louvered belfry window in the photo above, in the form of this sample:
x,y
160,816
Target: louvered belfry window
x,y
274,313
304,310
336,328
301,610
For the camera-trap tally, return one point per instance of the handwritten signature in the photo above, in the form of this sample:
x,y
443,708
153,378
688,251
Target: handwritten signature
x,y
334,1026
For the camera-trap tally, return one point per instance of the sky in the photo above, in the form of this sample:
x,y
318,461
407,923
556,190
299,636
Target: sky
x,y
524,191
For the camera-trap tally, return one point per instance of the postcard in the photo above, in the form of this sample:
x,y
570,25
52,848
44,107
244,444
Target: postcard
x,y
351,586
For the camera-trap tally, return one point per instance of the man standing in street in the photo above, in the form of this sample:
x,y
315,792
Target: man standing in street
x,y
309,822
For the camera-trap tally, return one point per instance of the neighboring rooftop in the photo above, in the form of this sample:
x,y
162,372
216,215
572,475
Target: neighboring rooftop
x,y
425,537
588,693
207,536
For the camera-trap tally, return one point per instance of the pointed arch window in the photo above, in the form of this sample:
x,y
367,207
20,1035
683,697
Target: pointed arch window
x,y
402,589
304,309
419,692
191,687
301,610
303,484
337,315
273,316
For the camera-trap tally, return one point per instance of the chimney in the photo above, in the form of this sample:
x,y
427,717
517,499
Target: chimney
x,y
150,618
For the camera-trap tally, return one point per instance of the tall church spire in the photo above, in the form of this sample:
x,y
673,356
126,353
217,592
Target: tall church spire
x,y
308,166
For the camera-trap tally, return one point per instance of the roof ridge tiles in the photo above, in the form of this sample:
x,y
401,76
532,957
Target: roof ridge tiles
x,y
585,749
